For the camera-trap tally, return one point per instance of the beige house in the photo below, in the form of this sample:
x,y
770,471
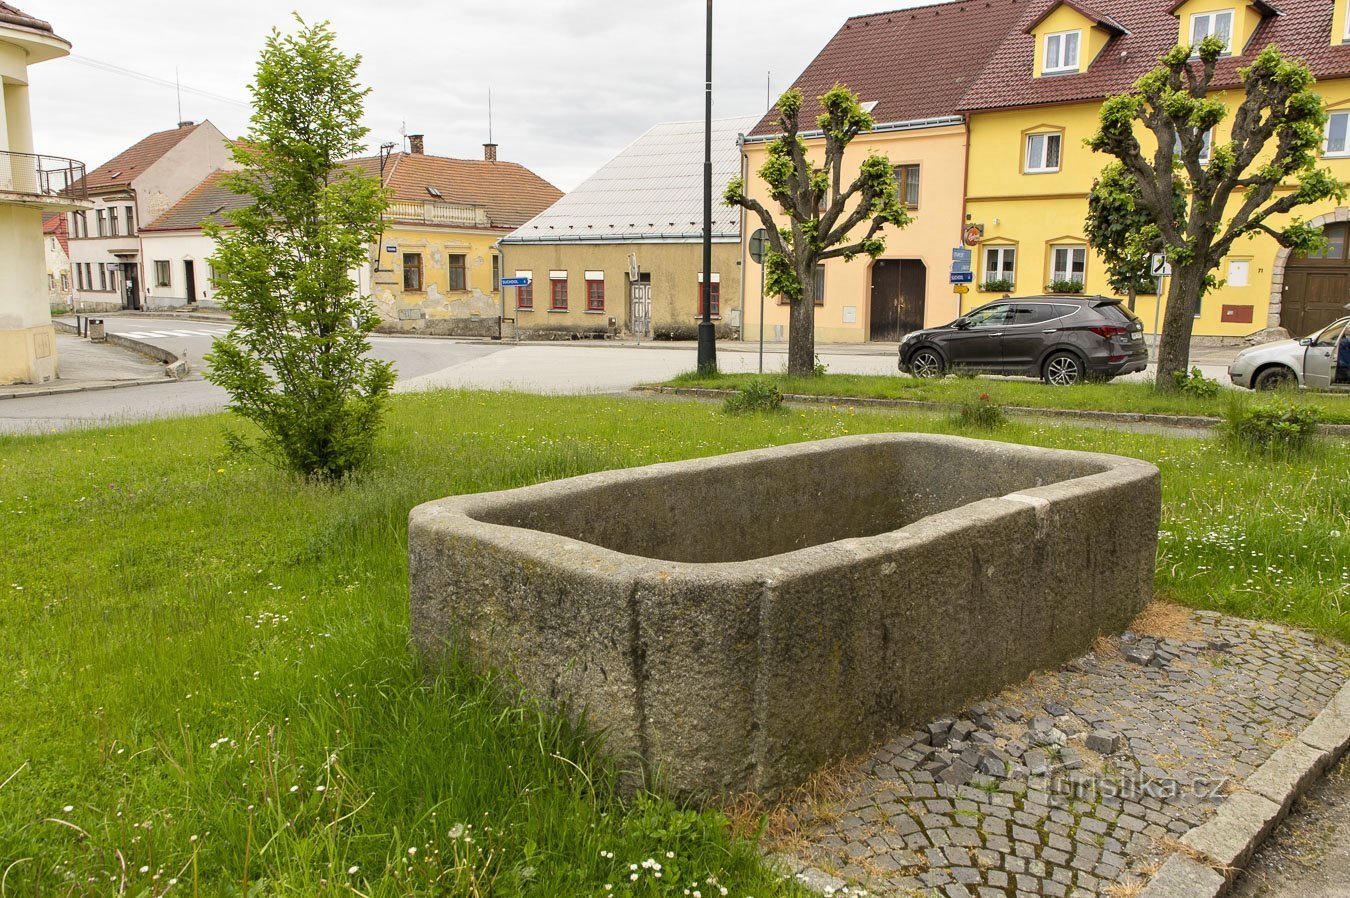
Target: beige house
x,y
623,252
30,186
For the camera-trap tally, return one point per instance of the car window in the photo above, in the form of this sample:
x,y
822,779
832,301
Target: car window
x,y
1330,333
1065,311
1114,311
990,316
1035,313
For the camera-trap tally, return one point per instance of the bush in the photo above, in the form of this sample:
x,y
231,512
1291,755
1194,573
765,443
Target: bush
x,y
756,396
1278,427
820,368
1064,287
1196,384
982,413
998,285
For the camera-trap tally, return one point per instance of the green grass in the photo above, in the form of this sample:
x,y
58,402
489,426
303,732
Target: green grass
x,y
1136,398
195,644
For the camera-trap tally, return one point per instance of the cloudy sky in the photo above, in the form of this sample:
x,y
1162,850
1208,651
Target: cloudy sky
x,y
573,81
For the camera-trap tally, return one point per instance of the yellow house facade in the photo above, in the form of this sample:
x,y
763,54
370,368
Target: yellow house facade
x,y
919,63
437,267
1030,172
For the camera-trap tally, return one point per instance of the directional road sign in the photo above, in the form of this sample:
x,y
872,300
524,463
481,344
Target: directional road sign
x,y
515,282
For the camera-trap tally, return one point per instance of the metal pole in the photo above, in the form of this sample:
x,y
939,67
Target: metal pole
x,y
761,316
1157,310
707,345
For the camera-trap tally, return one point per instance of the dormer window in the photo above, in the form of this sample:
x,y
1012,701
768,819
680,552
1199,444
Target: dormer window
x,y
1218,23
1061,52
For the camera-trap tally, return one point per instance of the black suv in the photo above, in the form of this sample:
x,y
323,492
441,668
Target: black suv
x,y
1062,340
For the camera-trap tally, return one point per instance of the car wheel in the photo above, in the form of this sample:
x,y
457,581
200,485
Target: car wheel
x,y
1276,377
926,363
1063,369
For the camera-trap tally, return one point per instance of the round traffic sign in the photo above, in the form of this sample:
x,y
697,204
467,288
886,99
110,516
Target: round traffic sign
x,y
759,243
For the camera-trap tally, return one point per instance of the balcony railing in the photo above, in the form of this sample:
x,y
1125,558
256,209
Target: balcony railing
x,y
31,174
440,213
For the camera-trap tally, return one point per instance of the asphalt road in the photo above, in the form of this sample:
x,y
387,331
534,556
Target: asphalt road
x,y
430,363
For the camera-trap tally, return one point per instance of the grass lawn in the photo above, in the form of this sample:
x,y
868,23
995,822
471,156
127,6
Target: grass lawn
x,y
206,676
1136,398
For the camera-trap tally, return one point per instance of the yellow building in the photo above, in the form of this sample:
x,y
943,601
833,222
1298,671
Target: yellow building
x,y
909,67
30,186
436,268
623,252
1029,172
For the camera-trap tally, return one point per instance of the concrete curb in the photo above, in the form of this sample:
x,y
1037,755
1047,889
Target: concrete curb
x,y
1192,421
89,387
1214,853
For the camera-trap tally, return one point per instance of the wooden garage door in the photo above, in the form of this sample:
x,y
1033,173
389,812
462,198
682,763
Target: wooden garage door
x,y
1317,287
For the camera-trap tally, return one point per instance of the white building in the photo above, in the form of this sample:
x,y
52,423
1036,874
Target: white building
x,y
135,187
60,282
176,251
30,185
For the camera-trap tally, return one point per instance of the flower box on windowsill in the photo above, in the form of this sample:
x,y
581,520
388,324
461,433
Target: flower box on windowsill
x,y
1070,287
998,285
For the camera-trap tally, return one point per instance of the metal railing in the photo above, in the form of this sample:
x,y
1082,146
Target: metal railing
x,y
33,174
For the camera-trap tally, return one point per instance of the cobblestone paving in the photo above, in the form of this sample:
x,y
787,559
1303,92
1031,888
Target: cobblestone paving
x,y
1073,781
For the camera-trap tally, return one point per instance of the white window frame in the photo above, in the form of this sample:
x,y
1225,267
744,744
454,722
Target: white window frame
x,y
1041,167
1070,250
1206,151
1211,19
1345,140
1001,273
1060,41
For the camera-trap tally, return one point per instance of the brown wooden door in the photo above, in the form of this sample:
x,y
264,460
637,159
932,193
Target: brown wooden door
x,y
1317,287
913,295
885,326
1313,298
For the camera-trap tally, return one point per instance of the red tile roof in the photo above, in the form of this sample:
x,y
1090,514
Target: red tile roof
x,y
208,201
12,15
56,225
914,63
1084,10
510,192
1303,29
123,168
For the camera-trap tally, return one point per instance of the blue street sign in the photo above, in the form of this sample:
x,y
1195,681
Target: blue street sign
x,y
960,265
963,277
515,282
960,254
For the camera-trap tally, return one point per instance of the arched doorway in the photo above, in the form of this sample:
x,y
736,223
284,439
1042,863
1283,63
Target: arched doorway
x,y
1317,286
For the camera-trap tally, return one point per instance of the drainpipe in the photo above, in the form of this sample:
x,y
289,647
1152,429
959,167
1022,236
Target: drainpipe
x,y
745,161
965,192
501,275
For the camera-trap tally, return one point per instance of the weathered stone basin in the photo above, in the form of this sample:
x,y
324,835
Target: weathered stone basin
x,y
736,622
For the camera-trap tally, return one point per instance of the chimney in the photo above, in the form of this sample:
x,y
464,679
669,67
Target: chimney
x,y
415,145
490,152
186,124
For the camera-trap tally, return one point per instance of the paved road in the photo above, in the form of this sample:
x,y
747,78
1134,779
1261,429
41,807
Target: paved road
x,y
425,363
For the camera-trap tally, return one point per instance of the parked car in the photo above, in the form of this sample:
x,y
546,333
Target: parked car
x,y
1062,340
1319,361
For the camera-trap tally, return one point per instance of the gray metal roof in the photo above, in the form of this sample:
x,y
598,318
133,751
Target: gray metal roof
x,y
650,192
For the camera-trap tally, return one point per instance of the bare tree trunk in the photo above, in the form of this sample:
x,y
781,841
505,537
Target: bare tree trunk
x,y
802,329
1183,297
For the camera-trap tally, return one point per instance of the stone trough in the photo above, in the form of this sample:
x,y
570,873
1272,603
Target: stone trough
x,y
734,623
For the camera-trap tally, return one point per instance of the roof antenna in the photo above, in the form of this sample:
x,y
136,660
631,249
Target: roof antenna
x,y
178,87
489,115
403,132
768,89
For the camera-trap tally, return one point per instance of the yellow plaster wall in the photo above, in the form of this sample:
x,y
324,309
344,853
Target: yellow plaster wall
x,y
674,268
1034,210
1065,18
940,153
436,299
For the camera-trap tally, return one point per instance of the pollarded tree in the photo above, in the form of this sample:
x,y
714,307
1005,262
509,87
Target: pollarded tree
x,y
1276,131
1120,229
296,363
823,212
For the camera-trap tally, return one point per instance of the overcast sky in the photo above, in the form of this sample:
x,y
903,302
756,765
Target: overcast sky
x,y
573,81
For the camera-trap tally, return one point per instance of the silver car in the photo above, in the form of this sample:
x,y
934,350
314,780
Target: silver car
x,y
1319,362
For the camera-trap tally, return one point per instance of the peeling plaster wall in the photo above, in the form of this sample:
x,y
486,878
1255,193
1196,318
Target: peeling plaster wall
x,y
436,308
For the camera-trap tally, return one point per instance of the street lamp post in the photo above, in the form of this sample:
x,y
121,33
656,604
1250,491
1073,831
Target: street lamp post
x,y
707,344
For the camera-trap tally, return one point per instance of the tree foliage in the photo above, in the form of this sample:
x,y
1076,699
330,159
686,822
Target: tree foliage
x,y
826,217
295,363
1122,230
1276,131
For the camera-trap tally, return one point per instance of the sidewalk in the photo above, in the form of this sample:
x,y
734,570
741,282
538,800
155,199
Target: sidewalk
x,y
91,366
